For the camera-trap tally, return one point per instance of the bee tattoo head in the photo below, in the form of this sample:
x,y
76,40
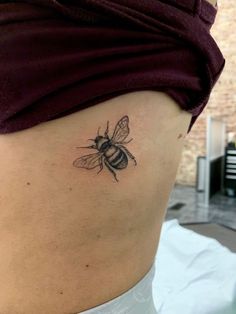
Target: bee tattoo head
x,y
111,152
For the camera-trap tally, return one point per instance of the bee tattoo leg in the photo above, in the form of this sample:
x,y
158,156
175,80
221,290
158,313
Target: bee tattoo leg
x,y
111,170
101,166
128,153
107,129
125,142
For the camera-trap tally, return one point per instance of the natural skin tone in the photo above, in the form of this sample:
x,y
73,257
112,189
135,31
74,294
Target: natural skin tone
x,y
65,231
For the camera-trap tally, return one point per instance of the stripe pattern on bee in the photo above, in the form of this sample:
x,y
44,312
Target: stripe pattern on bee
x,y
111,152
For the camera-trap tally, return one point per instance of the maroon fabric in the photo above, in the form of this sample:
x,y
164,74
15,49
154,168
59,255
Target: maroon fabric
x,y
61,56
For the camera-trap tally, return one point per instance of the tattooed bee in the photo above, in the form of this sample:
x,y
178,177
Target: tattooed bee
x,y
111,151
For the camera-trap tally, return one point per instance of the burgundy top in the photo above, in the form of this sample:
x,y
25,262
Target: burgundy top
x,y
61,56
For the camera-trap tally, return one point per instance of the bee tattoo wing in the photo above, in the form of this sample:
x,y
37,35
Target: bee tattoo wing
x,y
90,161
121,130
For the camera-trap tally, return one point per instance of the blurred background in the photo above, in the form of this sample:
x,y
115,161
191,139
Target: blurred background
x,y
204,196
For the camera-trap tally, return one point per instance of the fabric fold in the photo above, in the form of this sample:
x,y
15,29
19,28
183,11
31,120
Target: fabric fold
x,y
59,57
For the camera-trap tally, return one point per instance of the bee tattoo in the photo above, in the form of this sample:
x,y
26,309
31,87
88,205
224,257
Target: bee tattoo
x,y
111,151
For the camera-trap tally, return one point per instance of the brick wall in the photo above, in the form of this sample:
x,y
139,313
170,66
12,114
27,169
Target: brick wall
x,y
223,98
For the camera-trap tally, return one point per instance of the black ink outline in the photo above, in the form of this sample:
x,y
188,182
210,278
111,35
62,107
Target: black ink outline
x,y
117,141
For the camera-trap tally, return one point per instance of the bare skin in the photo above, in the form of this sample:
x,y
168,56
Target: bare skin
x,y
213,2
66,231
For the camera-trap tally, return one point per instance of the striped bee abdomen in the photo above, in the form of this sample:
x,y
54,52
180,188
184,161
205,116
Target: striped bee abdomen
x,y
116,157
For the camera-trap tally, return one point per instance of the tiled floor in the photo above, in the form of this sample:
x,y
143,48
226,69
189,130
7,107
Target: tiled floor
x,y
227,237
222,209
